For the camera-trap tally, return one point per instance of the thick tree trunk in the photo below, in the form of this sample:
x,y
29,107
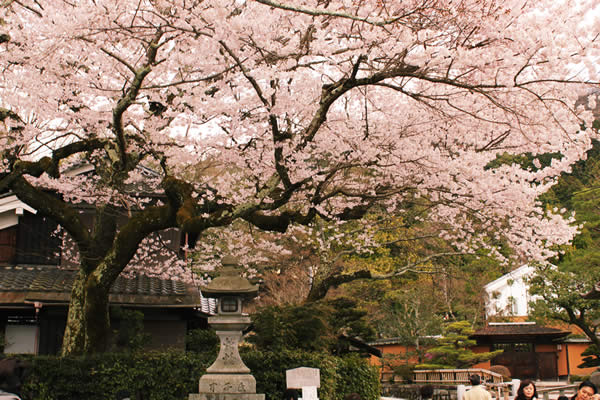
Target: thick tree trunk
x,y
73,339
88,324
96,317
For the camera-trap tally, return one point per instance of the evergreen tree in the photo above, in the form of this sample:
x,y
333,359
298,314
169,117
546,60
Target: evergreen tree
x,y
453,349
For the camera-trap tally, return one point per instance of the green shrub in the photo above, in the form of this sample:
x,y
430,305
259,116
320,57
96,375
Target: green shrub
x,y
291,327
314,326
151,376
405,371
130,334
174,375
339,375
202,341
269,370
355,375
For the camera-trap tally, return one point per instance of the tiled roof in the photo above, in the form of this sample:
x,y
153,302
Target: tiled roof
x,y
33,279
397,340
518,329
25,284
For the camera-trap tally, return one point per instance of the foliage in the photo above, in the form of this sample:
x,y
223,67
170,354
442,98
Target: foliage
x,y
130,333
302,327
311,327
579,378
415,306
173,375
560,299
409,259
411,314
468,275
153,376
355,375
339,375
559,288
347,318
502,370
405,371
280,114
453,349
591,357
202,341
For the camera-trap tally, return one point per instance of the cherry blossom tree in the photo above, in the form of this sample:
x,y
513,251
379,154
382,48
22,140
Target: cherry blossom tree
x,y
296,109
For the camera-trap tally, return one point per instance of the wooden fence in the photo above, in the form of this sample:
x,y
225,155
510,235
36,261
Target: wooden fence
x,y
455,376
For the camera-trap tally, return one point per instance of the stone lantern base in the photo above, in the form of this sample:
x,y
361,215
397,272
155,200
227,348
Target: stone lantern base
x,y
226,396
227,387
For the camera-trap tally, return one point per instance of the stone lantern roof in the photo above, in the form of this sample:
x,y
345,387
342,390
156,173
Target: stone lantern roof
x,y
229,282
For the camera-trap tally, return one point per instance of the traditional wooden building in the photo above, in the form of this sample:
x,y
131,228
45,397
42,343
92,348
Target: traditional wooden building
x,y
36,281
530,350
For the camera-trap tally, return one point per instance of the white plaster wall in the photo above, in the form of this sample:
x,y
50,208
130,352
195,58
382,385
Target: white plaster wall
x,y
509,294
21,339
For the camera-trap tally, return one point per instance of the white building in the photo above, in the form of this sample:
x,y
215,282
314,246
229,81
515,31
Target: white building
x,y
509,294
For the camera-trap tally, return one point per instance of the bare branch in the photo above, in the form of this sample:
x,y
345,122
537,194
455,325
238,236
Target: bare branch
x,y
326,13
119,59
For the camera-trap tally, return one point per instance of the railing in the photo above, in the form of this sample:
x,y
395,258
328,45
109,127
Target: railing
x,y
504,390
457,376
563,390
412,392
448,391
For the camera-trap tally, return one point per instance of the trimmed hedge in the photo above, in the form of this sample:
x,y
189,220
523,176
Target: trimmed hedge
x,y
339,375
149,376
174,375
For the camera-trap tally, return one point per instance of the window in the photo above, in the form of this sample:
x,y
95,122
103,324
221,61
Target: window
x,y
21,339
229,304
8,244
36,241
515,347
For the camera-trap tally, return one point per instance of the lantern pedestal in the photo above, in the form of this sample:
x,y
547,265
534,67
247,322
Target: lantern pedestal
x,y
228,378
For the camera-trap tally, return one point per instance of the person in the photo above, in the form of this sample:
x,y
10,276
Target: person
x,y
586,391
527,390
13,372
478,391
290,394
426,392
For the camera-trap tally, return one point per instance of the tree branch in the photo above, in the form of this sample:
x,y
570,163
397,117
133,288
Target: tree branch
x,y
326,13
249,77
320,289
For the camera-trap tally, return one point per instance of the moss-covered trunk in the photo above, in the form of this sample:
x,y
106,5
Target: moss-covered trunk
x,y
73,338
88,325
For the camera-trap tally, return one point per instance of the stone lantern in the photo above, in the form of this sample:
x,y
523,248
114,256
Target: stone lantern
x,y
228,378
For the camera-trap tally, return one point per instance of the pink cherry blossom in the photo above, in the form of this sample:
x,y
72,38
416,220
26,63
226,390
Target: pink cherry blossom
x,y
274,112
